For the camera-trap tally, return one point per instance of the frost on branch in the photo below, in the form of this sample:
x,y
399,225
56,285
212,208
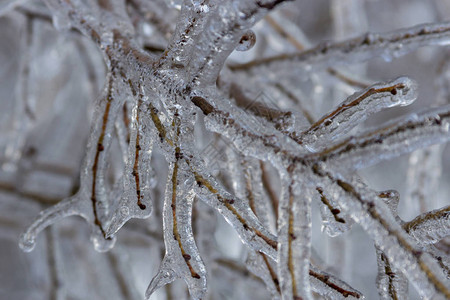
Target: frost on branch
x,y
216,111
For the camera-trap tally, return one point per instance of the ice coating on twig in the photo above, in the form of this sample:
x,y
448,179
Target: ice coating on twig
x,y
357,108
154,100
90,201
371,213
135,201
330,287
430,227
259,265
294,241
391,284
418,131
237,213
178,238
386,45
257,262
334,220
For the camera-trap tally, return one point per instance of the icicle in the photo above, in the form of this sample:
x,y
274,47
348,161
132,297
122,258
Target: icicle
x,y
90,202
135,201
181,259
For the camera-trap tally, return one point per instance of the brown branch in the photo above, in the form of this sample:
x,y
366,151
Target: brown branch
x,y
291,237
390,274
100,148
325,278
135,173
333,210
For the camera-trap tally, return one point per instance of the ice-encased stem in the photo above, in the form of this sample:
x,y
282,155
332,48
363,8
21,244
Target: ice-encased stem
x,y
237,212
375,217
90,202
357,108
181,259
387,45
294,240
390,141
430,227
391,284
135,201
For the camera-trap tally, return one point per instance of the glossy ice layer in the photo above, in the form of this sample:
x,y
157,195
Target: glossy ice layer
x,y
216,110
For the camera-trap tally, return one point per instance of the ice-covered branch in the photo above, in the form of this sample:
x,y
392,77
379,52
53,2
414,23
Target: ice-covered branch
x,y
294,239
163,97
373,215
430,227
357,108
91,200
386,45
417,131
178,238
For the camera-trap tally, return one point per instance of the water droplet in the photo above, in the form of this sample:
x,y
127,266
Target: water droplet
x,y
101,244
27,243
247,41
